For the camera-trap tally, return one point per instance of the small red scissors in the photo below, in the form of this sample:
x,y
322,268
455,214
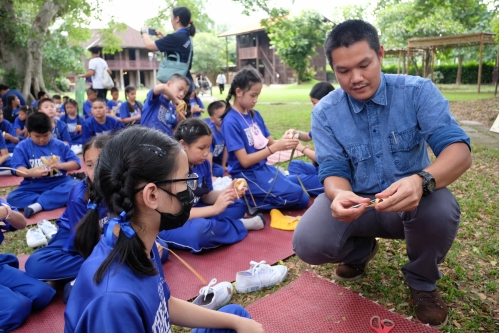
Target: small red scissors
x,y
381,326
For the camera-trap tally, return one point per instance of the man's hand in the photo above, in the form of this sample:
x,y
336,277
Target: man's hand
x,y
405,195
342,206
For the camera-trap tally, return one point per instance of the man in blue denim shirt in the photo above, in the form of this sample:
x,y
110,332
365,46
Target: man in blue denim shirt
x,y
371,141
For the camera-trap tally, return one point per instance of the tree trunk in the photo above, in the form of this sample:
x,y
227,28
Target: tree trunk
x,y
459,70
412,59
26,62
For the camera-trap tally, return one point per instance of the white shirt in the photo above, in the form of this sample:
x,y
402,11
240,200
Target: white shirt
x,y
98,65
221,79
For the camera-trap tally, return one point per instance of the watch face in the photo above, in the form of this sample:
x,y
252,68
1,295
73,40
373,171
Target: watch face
x,y
431,185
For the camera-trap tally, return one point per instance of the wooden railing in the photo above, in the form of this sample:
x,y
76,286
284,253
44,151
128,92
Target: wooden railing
x,y
247,53
132,64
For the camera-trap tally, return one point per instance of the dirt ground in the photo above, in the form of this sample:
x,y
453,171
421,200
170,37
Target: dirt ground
x,y
484,111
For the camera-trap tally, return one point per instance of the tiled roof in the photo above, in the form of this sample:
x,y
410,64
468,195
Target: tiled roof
x,y
131,38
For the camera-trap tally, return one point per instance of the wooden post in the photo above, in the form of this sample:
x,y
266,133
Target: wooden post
x,y
408,60
227,62
274,67
480,64
423,64
399,60
122,84
432,63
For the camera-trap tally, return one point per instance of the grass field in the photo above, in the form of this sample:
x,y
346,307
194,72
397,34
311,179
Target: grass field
x,y
470,271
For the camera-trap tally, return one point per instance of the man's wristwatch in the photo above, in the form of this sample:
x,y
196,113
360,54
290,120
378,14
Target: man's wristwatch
x,y
144,31
428,183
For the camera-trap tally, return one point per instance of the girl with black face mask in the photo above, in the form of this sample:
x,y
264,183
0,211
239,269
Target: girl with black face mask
x,y
143,178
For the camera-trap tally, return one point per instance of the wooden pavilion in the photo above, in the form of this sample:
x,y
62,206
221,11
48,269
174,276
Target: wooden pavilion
x,y
456,41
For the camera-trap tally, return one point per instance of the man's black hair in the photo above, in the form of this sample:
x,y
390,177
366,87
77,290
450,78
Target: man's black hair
x,y
349,32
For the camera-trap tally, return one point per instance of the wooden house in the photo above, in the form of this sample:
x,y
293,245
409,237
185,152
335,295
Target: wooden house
x,y
253,48
134,65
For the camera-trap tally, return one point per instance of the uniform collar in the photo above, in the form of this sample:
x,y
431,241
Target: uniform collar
x,y
379,98
183,30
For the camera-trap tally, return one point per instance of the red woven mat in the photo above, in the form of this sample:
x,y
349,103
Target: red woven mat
x,y
46,214
268,244
313,304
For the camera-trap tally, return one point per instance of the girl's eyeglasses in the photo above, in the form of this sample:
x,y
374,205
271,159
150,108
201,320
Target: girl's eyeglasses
x,y
191,181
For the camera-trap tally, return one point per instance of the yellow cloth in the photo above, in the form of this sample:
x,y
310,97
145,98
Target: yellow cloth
x,y
283,222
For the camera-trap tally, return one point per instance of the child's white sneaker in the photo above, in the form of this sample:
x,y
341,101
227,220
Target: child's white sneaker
x,y
47,228
259,276
35,237
214,296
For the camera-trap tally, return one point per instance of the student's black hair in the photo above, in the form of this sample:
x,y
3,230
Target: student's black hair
x,y
191,129
132,157
3,86
56,96
95,50
321,89
177,77
114,89
66,97
100,100
349,32
26,109
75,104
88,233
184,15
40,94
38,122
130,107
43,101
9,100
8,109
244,79
214,106
91,91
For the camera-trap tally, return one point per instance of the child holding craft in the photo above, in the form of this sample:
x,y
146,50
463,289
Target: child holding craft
x,y
197,106
249,143
160,106
143,178
217,217
43,162
131,110
19,292
9,133
59,128
99,123
308,172
114,104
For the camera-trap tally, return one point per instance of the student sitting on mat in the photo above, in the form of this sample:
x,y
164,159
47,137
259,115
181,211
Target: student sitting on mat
x,y
20,122
59,259
114,103
197,106
59,128
9,133
308,172
249,143
43,161
159,107
217,217
19,292
75,124
87,105
5,160
143,178
131,109
219,152
99,123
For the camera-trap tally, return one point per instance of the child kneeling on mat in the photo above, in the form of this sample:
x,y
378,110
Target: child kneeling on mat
x,y
143,178
19,292
249,143
217,217
43,161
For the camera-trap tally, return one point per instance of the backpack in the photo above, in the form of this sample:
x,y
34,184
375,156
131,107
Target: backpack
x,y
107,81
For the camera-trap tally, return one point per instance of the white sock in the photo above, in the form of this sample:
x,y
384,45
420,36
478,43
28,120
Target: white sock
x,y
5,173
253,223
36,207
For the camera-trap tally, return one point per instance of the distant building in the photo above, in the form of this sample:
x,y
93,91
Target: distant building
x,y
134,65
253,48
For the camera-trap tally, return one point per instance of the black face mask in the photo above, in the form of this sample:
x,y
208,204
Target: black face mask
x,y
170,221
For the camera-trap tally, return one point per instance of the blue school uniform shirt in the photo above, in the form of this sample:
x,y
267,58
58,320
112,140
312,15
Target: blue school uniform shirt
x,y
111,104
218,144
123,301
60,131
159,113
6,126
75,138
27,154
18,123
194,102
125,112
7,226
14,92
204,181
87,109
92,128
75,211
3,145
237,136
